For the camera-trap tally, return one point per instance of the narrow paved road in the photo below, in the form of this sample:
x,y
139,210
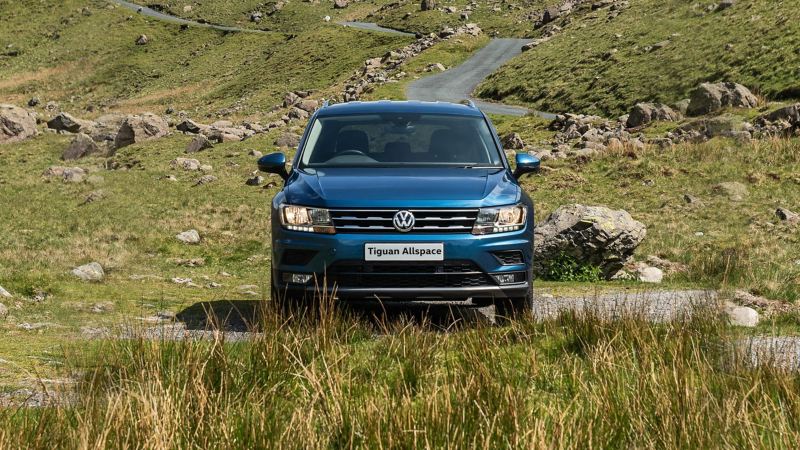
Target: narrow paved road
x,y
457,84
149,12
453,85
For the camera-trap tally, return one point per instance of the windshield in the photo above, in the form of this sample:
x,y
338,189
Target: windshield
x,y
389,140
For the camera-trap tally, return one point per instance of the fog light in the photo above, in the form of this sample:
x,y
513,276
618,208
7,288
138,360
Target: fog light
x,y
296,278
509,278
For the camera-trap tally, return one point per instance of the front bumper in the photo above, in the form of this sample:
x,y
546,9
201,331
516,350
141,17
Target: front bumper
x,y
320,253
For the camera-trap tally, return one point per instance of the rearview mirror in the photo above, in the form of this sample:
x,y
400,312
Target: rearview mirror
x,y
526,164
274,163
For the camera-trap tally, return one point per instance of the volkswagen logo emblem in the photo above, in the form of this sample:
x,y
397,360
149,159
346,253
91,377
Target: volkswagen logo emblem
x,y
403,221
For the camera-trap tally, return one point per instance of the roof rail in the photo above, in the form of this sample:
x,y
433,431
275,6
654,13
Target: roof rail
x,y
468,102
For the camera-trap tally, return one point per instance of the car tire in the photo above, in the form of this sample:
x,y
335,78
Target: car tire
x,y
513,308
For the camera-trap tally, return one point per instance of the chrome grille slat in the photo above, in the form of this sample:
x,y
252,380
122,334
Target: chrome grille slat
x,y
427,220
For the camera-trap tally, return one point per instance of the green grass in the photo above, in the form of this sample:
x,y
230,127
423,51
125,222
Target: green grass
x,y
344,382
94,62
570,73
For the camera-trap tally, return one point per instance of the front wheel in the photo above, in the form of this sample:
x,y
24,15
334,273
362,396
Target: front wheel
x,y
513,308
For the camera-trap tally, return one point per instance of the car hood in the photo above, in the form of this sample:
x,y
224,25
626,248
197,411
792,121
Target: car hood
x,y
402,187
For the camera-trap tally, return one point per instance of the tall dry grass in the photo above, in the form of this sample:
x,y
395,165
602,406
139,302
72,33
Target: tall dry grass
x,y
336,380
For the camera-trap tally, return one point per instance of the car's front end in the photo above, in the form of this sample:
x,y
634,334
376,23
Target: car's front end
x,y
410,232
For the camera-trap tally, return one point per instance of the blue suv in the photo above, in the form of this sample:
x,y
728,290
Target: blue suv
x,y
402,201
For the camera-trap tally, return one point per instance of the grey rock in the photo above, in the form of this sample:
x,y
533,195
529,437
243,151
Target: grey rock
x,y
682,106
34,101
4,293
787,216
66,174
340,4
65,122
644,113
550,14
3,311
16,124
89,272
692,200
711,97
255,181
741,316
734,190
790,114
185,164
513,141
142,40
140,128
82,145
205,179
427,5
189,237
592,235
308,106
725,4
255,153
190,126
287,140
198,144
650,275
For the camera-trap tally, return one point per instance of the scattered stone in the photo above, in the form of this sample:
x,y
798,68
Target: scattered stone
x,y
591,235
692,200
308,106
205,179
651,275
427,5
190,262
255,181
668,267
198,144
141,128
65,122
142,39
102,307
66,174
787,216
287,140
437,67
513,141
256,16
189,237
734,190
89,272
93,197
644,113
255,153
3,311
741,316
81,146
4,293
185,164
190,126
16,124
725,4
712,97
34,101
339,4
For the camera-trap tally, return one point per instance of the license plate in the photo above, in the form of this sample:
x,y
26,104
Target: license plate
x,y
403,252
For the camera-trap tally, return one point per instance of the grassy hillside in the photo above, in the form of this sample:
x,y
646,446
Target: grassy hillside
x,y
603,66
85,61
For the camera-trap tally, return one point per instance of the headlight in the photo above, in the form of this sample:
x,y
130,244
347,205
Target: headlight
x,y
301,218
500,220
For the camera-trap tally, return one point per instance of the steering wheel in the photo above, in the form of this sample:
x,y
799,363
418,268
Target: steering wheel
x,y
351,152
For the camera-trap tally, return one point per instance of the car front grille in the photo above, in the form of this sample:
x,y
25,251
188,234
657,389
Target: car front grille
x,y
444,274
425,220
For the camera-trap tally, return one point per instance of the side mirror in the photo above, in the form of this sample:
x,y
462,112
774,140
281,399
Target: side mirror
x,y
526,164
274,163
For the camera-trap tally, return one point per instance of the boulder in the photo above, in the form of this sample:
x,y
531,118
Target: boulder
x,y
339,4
189,237
142,39
513,141
790,114
308,106
65,122
591,235
734,190
198,144
141,128
16,124
711,97
427,5
185,164
89,272
787,216
190,126
741,316
550,14
725,4
66,174
287,140
82,145
4,293
644,113
650,274
205,179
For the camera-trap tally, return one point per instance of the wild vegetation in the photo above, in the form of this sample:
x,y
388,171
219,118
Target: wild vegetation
x,y
339,381
654,51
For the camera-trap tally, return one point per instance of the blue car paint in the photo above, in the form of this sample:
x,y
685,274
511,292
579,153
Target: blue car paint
x,y
403,188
